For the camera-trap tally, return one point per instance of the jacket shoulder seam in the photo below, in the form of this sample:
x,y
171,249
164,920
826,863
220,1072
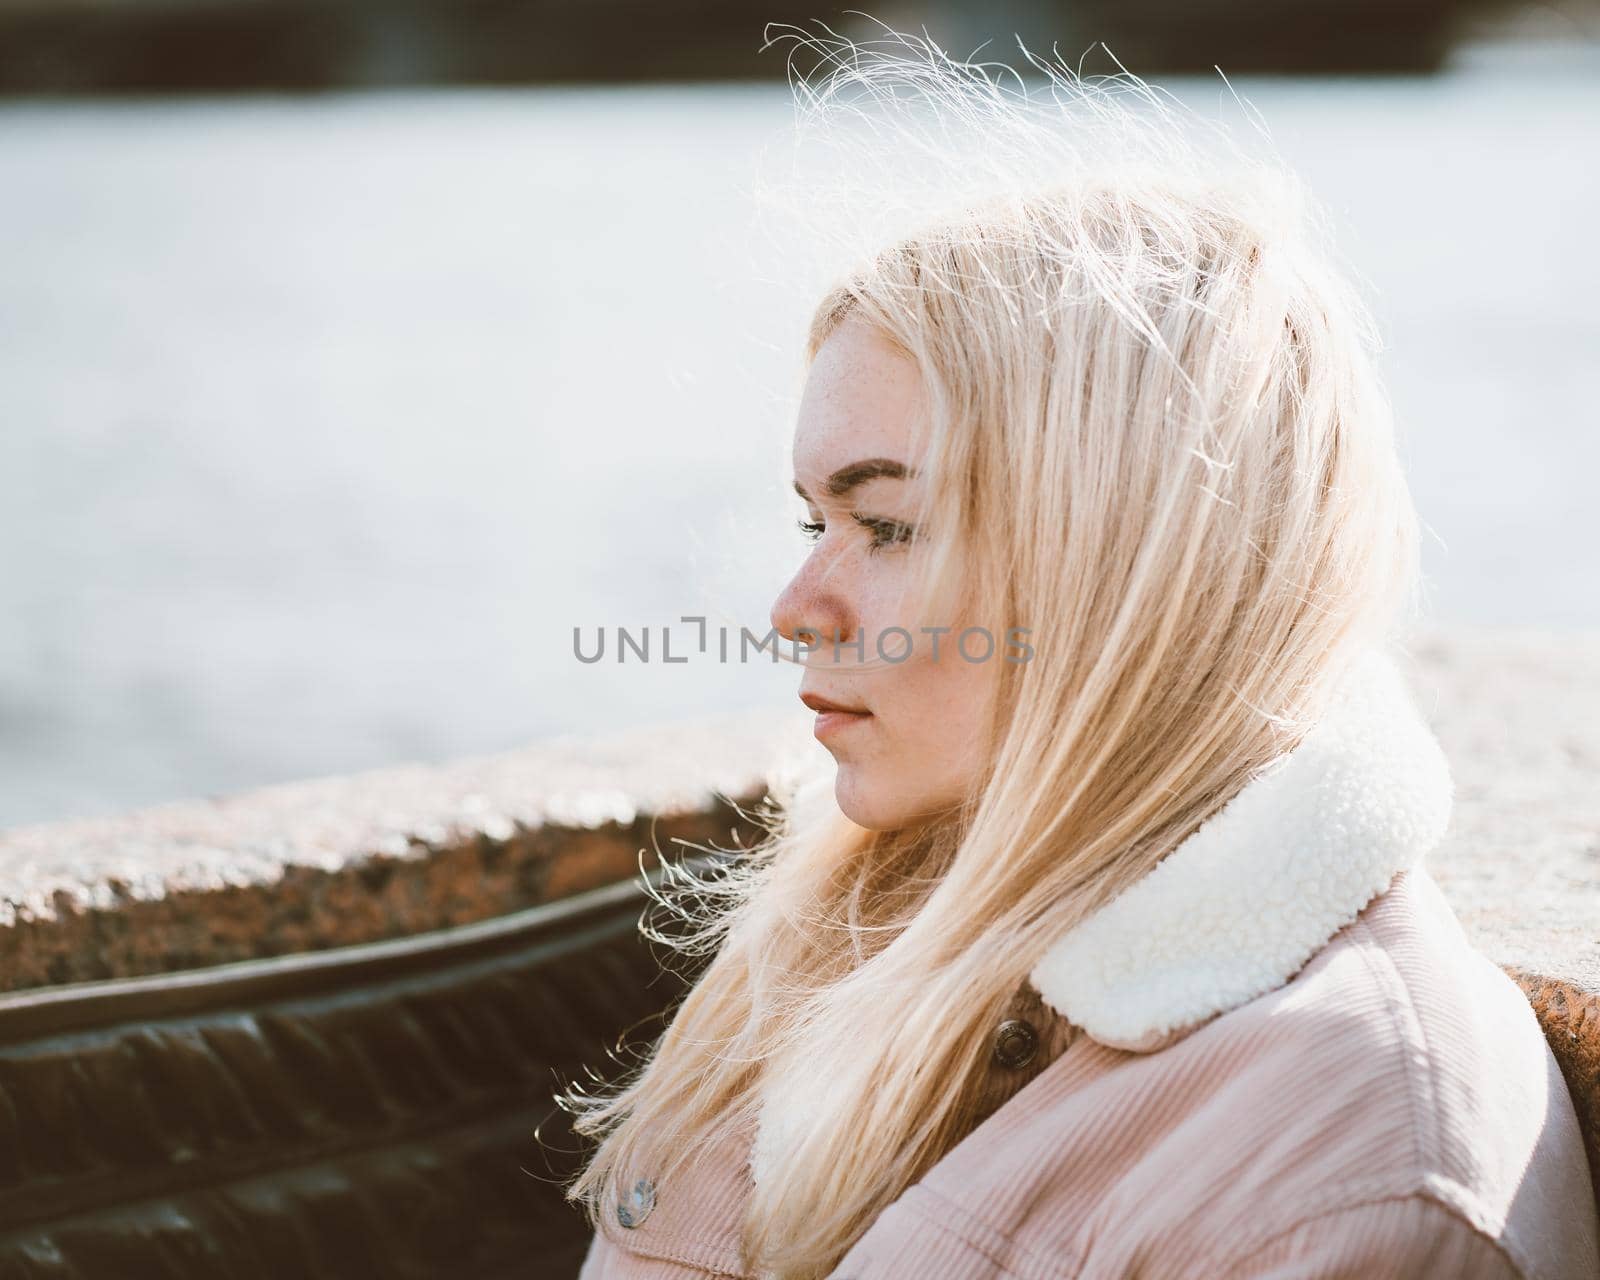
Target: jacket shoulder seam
x,y
1013,1259
1421,1096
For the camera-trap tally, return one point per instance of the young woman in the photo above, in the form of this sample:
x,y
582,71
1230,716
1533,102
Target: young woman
x,y
1108,950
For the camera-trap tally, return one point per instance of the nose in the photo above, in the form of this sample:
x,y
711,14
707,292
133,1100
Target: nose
x,y
814,607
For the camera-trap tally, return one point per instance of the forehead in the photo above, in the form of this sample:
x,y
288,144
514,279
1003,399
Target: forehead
x,y
862,399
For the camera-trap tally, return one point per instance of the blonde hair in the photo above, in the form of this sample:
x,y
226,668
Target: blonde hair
x,y
1155,439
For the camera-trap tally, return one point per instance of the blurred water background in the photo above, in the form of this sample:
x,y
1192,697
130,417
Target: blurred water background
x,y
324,420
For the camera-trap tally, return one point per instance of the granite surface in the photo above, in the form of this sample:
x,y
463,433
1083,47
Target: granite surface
x,y
369,856
1518,715
384,854
407,850
372,855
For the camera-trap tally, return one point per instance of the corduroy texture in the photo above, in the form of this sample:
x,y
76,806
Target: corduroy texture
x,y
1392,1111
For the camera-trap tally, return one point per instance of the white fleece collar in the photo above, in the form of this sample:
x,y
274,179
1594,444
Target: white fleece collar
x,y
1240,905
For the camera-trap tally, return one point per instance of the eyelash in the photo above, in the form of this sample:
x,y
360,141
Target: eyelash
x,y
885,533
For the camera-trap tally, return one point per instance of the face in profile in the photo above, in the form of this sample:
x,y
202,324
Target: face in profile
x,y
908,736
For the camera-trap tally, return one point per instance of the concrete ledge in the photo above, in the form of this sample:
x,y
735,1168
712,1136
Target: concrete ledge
x,y
401,851
385,854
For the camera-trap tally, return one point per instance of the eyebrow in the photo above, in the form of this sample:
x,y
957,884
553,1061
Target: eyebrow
x,y
848,477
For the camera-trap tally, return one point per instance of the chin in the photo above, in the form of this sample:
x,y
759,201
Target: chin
x,y
859,803
873,804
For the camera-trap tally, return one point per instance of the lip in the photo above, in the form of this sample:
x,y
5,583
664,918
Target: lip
x,y
820,705
833,718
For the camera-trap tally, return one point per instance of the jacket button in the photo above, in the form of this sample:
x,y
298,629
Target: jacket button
x,y
1015,1043
634,1206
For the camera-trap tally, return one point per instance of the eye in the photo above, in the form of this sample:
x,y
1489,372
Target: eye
x,y
885,533
812,529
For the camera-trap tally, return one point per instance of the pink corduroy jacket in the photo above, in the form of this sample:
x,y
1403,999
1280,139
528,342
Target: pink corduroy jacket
x,y
1274,1056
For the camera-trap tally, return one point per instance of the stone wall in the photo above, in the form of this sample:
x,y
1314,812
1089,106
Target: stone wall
x,y
372,856
399,852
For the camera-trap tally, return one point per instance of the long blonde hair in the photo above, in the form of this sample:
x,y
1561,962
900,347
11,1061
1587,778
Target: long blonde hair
x,y
1154,438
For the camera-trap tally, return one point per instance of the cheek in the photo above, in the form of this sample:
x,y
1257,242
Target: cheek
x,y
936,711
927,748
